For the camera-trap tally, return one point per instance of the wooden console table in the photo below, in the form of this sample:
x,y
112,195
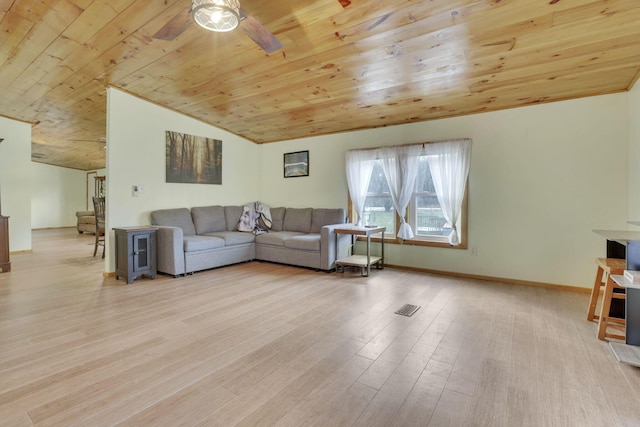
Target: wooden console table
x,y
363,261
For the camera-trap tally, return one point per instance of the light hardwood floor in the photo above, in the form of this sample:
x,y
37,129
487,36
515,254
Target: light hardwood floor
x,y
266,344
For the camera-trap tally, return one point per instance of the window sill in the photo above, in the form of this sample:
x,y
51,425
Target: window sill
x,y
418,242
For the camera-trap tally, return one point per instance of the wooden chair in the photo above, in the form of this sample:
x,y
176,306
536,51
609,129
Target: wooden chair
x,y
98,209
606,267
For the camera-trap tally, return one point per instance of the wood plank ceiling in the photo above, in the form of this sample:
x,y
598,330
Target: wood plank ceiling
x,y
362,65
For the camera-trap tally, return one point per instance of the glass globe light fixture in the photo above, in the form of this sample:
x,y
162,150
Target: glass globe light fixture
x,y
216,15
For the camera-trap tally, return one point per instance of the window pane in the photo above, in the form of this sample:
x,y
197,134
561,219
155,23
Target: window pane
x,y
430,220
424,183
378,183
378,207
427,215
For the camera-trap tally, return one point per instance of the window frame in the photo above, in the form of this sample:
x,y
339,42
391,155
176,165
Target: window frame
x,y
440,242
388,234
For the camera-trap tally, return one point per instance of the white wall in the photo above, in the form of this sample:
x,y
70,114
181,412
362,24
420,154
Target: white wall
x,y
634,154
15,181
57,194
324,187
136,156
542,178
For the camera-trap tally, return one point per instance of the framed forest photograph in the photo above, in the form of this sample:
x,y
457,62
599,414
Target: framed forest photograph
x,y
193,159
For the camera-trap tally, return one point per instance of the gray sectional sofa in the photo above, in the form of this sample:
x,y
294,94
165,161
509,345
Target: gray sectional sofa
x,y
207,237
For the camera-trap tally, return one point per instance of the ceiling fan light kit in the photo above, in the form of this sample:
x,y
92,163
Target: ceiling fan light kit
x,y
216,15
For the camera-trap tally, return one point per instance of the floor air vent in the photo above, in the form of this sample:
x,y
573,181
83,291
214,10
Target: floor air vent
x,y
407,310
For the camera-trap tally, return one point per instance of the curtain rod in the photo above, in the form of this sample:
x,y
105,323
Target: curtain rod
x,y
412,143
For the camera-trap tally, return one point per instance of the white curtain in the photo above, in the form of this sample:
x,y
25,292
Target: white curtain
x,y
359,167
400,165
449,164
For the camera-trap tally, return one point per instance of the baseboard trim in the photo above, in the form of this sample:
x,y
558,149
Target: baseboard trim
x,y
53,228
26,251
567,288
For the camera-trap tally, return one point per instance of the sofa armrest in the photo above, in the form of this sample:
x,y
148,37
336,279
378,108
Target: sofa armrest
x,y
328,247
170,250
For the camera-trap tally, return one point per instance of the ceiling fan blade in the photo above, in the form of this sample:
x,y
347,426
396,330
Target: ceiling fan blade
x,y
259,33
176,26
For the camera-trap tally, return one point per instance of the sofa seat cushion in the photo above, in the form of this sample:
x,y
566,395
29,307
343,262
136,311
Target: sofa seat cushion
x,y
87,220
202,243
234,237
276,238
306,242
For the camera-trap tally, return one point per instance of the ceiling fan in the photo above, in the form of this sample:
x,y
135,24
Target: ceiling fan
x,y
220,16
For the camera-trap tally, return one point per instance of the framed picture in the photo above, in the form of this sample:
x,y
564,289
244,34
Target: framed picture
x,y
193,159
296,164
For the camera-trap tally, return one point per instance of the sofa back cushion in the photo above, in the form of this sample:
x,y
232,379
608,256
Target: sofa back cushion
x,y
322,217
297,220
180,217
277,218
232,216
208,219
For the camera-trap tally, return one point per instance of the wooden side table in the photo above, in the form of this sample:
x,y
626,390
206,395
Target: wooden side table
x,y
135,252
363,261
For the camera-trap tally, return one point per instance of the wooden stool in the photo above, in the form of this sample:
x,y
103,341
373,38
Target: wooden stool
x,y
606,267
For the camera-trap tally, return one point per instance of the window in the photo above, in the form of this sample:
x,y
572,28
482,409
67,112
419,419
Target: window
x,y
425,214
438,168
378,206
